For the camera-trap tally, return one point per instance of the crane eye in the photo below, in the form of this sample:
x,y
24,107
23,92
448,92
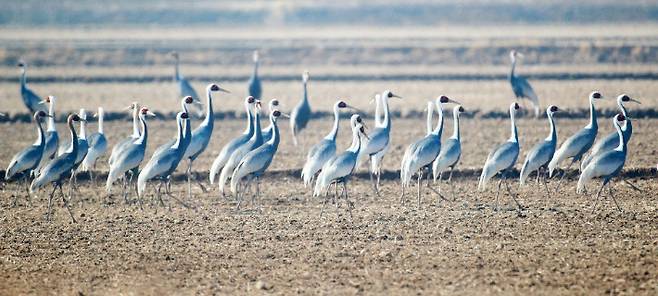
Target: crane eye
x,y
214,87
250,100
342,104
553,109
362,130
621,117
189,100
444,99
275,103
625,98
276,113
516,106
358,119
184,115
41,114
461,109
596,95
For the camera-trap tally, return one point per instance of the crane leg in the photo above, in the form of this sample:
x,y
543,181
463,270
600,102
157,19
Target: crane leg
x,y
452,185
350,204
402,195
27,191
189,178
371,172
598,195
633,186
50,203
420,177
613,198
500,183
513,196
564,173
66,204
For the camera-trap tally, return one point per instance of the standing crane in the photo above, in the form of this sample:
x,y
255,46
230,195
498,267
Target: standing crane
x,y
301,114
255,88
340,167
31,100
201,137
131,157
375,148
97,145
422,153
611,141
254,163
83,147
521,87
253,143
163,164
502,159
323,151
576,146
451,150
230,147
118,147
23,165
184,86
538,158
606,165
57,171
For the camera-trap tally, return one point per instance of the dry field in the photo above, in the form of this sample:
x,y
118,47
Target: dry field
x,y
557,246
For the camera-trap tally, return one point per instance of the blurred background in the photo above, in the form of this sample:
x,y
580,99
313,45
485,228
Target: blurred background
x,y
115,52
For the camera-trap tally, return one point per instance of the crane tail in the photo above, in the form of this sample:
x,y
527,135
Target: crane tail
x,y
585,177
487,173
558,157
525,172
237,175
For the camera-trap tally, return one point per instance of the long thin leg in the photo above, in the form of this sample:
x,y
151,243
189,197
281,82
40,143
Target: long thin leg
x,y
420,177
613,198
350,205
500,183
564,173
372,180
66,204
50,203
513,196
189,178
598,195
633,186
452,185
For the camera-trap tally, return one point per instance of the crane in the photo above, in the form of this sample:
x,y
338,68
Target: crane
x,y
451,150
521,87
301,114
541,154
502,159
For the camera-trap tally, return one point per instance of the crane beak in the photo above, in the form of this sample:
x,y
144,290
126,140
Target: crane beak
x,y
95,115
635,101
149,113
286,115
355,108
128,108
454,101
224,90
396,96
43,102
519,54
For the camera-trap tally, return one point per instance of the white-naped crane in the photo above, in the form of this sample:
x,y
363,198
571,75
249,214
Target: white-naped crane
x,y
254,86
31,100
59,169
520,86
230,147
421,153
163,164
501,160
118,147
579,143
606,165
375,149
253,143
254,163
325,149
52,137
83,148
540,155
130,158
97,145
301,113
201,137
23,165
340,167
451,150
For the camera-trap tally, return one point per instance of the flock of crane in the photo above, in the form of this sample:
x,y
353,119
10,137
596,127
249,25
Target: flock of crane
x,y
244,159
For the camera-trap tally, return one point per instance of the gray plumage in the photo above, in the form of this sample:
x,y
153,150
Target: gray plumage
x,y
301,113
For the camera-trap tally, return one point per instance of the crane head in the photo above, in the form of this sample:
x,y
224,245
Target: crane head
x,y
389,94
620,117
516,106
553,109
274,102
174,54
188,100
255,56
250,100
460,109
625,98
596,95
145,111
75,117
184,115
305,76
20,64
446,100
40,113
341,104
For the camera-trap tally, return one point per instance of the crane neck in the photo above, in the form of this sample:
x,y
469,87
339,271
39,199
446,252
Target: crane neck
x,y
439,126
274,140
177,76
23,78
51,118
356,141
455,122
179,133
83,130
258,134
210,113
430,115
74,139
101,120
135,123
305,93
41,137
515,136
379,121
552,137
592,116
512,74
622,142
250,122
187,133
144,136
254,74
334,130
387,116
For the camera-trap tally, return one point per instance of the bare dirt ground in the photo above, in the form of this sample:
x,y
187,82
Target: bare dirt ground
x,y
558,246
